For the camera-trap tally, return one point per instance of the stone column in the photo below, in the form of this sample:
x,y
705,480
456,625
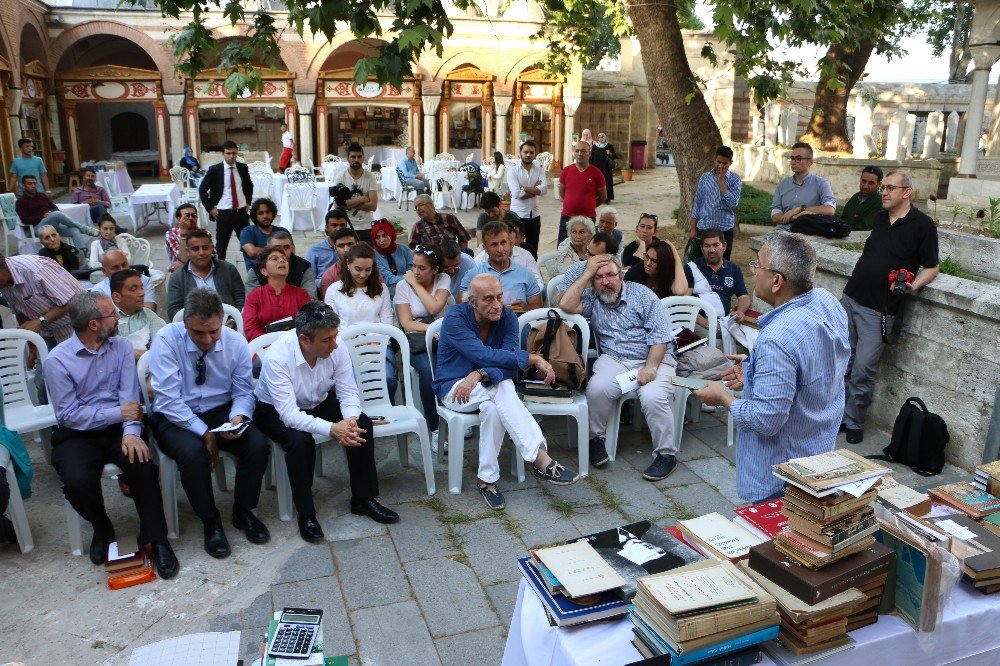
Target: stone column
x,y
54,132
160,111
305,102
16,97
952,123
322,139
502,105
570,106
894,137
175,107
430,105
487,130
756,131
444,126
984,59
906,143
72,135
932,137
993,146
193,131
862,143
772,114
413,123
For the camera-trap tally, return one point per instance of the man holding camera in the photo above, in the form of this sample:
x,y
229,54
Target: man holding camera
x,y
903,240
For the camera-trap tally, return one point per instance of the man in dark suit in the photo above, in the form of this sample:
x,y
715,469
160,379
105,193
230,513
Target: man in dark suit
x,y
226,192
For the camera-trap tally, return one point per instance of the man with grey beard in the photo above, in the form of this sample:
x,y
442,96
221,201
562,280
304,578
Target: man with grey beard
x,y
633,335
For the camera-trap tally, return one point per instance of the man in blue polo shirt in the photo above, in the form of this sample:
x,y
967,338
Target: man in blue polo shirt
x,y
803,193
520,289
254,238
724,277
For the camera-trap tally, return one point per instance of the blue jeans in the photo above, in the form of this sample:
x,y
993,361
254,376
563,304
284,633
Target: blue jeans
x,y
422,363
421,184
96,212
67,226
391,380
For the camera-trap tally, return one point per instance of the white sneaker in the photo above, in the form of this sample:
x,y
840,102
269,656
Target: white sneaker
x,y
434,442
468,432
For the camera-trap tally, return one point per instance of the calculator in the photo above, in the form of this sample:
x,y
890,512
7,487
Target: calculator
x,y
296,633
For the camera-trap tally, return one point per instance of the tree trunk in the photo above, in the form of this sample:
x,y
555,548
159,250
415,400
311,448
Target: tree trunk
x,y
688,126
828,124
959,57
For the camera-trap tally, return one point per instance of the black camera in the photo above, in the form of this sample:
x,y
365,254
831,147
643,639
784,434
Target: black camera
x,y
898,279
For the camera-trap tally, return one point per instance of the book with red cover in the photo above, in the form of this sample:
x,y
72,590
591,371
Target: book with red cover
x,y
766,516
815,585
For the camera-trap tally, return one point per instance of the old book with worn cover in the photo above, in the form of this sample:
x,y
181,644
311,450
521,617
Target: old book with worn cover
x,y
898,497
639,549
801,613
564,611
966,498
719,536
824,508
696,587
832,531
813,586
815,554
990,474
765,517
579,569
828,470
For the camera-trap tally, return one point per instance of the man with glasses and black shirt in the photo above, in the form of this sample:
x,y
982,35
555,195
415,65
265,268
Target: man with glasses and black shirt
x,y
902,237
200,374
802,193
526,182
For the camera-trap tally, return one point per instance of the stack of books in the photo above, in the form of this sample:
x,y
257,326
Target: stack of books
x,y
127,564
828,503
718,537
811,628
987,477
977,545
701,611
866,571
765,519
967,498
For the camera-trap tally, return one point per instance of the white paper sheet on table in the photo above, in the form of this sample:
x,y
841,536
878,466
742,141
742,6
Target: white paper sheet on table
x,y
206,649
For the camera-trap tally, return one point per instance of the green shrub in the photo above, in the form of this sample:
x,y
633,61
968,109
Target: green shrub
x,y
755,206
949,266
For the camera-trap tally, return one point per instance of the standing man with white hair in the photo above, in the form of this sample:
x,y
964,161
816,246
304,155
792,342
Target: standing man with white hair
x,y
793,381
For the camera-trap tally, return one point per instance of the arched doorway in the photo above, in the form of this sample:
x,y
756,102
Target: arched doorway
x,y
537,111
120,108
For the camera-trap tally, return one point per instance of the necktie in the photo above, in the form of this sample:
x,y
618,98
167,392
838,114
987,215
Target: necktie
x,y
232,188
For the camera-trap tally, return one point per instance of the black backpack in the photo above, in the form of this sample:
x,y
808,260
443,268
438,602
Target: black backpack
x,y
827,226
918,439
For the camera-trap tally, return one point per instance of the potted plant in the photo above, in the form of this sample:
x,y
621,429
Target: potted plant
x,y
627,173
402,233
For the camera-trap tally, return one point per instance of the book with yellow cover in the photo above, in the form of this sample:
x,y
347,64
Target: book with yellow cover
x,y
580,570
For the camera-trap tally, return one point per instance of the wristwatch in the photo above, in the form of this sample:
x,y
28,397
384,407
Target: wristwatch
x,y
42,321
483,375
803,209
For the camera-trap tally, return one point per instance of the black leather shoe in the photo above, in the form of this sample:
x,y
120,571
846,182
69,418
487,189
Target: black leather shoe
x,y
374,510
216,543
166,561
855,435
99,547
310,530
256,531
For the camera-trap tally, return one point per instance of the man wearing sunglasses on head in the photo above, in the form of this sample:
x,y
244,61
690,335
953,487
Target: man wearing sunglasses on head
x,y
802,193
200,374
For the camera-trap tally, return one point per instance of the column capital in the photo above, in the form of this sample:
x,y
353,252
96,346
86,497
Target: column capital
x,y
502,103
175,103
429,103
571,104
984,56
305,102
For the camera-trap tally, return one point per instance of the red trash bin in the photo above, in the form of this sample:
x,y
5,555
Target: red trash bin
x,y
638,160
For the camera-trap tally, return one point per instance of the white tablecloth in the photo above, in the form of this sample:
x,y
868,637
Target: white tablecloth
x,y
79,212
332,171
151,193
116,182
967,635
391,187
457,179
302,220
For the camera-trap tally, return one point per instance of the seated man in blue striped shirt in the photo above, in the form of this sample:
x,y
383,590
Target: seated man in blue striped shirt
x,y
793,381
633,336
716,199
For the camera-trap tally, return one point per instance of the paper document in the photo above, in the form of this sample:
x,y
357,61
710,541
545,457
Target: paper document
x,y
207,649
628,381
956,530
229,427
859,488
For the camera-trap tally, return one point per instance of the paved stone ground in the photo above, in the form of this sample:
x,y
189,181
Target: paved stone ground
x,y
438,587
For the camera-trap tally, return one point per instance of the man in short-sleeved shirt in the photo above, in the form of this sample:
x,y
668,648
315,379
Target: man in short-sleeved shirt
x,y
434,228
521,291
28,164
902,237
803,193
582,188
364,193
38,291
725,279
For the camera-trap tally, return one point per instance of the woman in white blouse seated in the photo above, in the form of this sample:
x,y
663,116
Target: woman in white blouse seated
x,y
421,298
361,297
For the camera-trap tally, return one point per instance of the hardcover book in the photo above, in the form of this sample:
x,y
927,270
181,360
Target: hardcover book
x,y
766,517
990,475
898,497
725,646
565,612
813,586
967,498
639,549
579,569
829,470
720,536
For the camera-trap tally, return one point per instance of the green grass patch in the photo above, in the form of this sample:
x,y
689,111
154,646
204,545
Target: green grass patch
x,y
435,504
949,266
608,499
853,247
755,206
509,523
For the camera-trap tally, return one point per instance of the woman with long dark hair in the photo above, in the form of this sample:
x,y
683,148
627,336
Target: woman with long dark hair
x,y
662,271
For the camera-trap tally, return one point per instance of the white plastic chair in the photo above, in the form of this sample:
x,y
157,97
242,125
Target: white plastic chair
x,y
18,515
299,174
168,468
180,176
262,183
11,222
279,470
367,345
443,187
444,157
680,311
549,261
456,424
229,312
21,413
302,198
74,522
138,249
576,410
552,290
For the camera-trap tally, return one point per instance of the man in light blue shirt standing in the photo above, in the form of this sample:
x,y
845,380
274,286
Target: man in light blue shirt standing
x,y
803,193
200,374
716,199
411,172
28,164
793,380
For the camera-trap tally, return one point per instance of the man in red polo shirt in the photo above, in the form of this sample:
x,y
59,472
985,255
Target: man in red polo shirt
x,y
582,188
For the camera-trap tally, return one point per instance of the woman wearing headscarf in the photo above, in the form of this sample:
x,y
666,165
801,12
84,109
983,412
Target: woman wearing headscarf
x,y
190,162
603,156
391,259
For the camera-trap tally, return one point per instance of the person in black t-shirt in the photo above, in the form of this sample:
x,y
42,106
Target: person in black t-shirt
x,y
902,237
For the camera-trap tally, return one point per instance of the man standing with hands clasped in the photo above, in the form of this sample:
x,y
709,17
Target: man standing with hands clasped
x,y
226,192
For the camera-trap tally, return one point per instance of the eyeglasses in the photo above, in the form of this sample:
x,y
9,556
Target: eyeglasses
x,y
113,314
892,188
798,158
755,266
606,277
650,216
649,259
200,370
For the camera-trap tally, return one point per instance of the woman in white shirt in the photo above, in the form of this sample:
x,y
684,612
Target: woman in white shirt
x,y
496,178
361,297
421,298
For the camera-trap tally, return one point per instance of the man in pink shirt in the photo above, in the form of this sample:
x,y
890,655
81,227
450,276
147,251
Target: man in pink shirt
x,y
582,188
